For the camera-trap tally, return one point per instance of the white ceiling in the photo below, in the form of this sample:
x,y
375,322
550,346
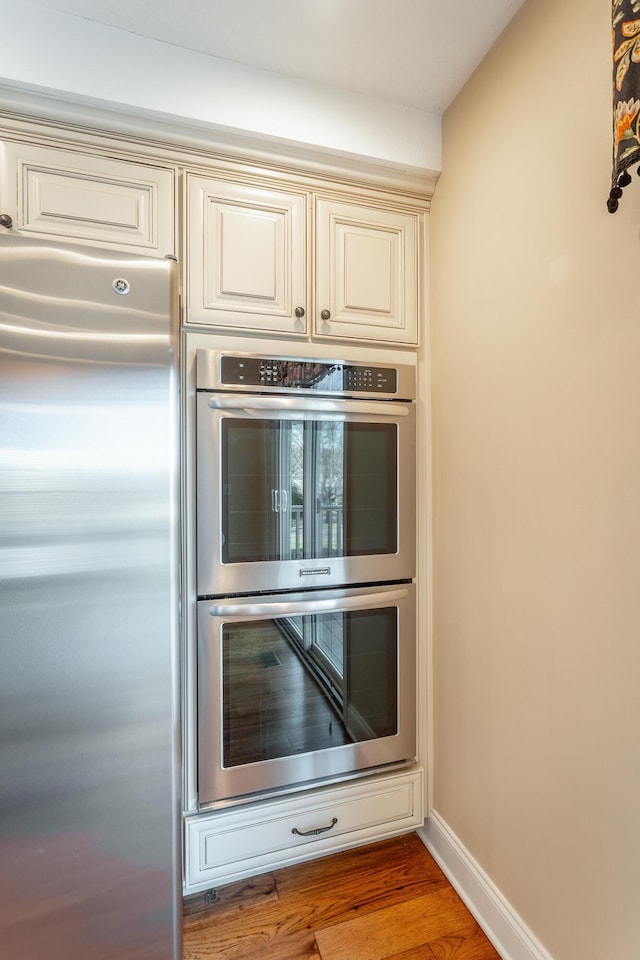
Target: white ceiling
x,y
418,53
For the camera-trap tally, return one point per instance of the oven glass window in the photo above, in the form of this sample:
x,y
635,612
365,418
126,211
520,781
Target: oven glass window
x,y
306,683
299,489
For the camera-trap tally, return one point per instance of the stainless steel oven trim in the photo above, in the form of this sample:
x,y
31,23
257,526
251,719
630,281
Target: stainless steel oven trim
x,y
208,375
217,784
217,579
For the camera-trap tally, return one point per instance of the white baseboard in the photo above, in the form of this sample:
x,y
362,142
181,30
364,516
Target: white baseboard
x,y
503,926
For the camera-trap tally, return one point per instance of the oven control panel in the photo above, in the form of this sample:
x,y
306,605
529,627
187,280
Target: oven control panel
x,y
326,376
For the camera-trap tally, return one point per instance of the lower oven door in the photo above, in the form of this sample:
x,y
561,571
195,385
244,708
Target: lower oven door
x,y
295,689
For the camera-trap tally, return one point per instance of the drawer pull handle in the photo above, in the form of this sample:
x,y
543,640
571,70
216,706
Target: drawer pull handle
x,y
318,830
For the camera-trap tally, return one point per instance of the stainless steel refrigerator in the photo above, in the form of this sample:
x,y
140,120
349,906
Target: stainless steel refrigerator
x,y
89,596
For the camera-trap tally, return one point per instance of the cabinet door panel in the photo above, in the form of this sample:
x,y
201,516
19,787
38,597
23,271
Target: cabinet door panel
x,y
365,278
83,198
367,273
248,264
247,257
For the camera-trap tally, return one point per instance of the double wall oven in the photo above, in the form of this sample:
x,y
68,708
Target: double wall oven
x,y
306,528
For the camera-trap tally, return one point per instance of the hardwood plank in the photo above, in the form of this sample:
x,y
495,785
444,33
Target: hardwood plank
x,y
423,952
359,882
296,946
387,932
232,896
362,881
400,861
473,947
256,931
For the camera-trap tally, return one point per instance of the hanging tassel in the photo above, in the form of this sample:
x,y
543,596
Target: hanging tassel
x,y
623,180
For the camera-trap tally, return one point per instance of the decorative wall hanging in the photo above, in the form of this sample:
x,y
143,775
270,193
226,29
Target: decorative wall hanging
x,y
625,23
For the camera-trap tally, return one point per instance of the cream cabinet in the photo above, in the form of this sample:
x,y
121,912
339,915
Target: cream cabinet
x,y
248,258
231,844
85,198
366,273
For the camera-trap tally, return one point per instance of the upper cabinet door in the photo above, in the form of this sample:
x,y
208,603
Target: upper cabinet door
x,y
84,198
246,257
367,273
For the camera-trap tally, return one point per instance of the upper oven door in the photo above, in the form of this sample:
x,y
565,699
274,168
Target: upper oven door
x,y
303,492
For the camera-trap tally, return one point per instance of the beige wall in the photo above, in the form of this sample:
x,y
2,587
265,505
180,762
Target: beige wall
x,y
536,408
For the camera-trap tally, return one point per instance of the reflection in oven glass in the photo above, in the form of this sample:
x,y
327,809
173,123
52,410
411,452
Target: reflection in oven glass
x,y
300,684
297,489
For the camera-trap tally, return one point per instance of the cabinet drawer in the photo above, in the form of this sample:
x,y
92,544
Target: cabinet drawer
x,y
59,194
228,845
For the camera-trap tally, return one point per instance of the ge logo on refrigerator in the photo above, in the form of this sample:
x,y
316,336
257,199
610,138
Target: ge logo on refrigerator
x,y
121,286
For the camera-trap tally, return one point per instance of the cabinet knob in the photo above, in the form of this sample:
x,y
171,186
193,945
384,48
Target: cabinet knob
x,y
6,221
326,314
299,311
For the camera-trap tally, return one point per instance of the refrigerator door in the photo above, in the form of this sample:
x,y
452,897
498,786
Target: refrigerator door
x,y
89,765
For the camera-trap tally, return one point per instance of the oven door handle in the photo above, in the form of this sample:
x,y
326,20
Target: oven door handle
x,y
291,608
300,406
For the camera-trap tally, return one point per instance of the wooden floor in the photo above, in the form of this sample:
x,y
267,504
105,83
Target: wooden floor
x,y
386,901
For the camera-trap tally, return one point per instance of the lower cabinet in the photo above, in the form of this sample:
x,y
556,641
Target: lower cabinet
x,y
229,845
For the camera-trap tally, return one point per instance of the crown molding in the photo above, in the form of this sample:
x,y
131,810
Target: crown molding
x,y
49,113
